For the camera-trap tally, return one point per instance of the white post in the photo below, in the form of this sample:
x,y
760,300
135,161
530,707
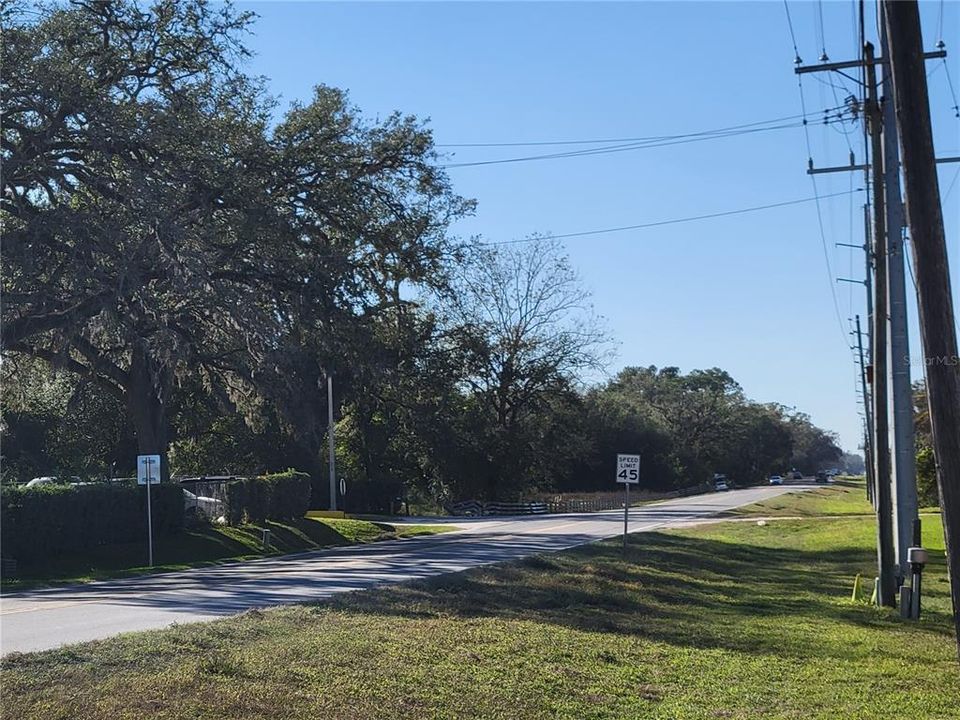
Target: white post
x,y
149,463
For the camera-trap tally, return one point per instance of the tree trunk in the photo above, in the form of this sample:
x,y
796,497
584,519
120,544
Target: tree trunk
x,y
147,396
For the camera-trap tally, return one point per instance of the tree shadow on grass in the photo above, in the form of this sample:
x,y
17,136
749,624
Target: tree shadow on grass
x,y
679,590
194,546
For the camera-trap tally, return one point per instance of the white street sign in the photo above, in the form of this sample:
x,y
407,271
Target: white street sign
x,y
628,469
148,473
148,466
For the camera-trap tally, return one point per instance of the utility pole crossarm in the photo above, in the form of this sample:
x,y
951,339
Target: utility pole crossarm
x,y
839,168
823,67
847,168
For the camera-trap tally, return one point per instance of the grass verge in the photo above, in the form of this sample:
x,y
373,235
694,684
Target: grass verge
x,y
847,496
206,545
730,620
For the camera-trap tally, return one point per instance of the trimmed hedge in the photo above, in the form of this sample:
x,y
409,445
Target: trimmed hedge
x,y
47,519
280,496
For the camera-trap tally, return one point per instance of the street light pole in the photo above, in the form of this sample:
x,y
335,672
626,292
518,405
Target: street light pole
x,y
333,452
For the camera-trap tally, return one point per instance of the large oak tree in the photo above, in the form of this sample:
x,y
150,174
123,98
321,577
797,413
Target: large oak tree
x,y
156,226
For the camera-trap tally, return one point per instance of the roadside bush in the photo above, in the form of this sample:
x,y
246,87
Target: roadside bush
x,y
927,490
47,519
279,496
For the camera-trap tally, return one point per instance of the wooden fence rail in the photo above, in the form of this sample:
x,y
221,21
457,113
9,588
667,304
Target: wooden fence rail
x,y
604,501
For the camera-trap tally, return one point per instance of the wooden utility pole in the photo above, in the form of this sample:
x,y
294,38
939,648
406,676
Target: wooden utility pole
x,y
887,586
925,220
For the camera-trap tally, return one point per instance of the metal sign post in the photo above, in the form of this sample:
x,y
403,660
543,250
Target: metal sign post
x,y
333,444
147,476
626,512
628,473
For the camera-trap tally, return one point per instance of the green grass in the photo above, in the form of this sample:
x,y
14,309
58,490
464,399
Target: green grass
x,y
730,620
842,498
205,545
847,496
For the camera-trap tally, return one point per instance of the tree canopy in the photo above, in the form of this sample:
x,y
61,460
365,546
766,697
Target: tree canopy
x,y
185,263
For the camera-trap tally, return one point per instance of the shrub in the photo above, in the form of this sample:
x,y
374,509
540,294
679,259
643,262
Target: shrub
x,y
47,519
280,496
927,491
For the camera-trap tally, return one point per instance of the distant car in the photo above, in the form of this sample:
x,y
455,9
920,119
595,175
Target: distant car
x,y
51,480
720,482
796,475
209,506
822,477
776,480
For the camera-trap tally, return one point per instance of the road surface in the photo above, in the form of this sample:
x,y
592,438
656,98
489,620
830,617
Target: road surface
x,y
49,618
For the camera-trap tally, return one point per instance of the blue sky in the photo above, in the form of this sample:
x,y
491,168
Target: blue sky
x,y
749,293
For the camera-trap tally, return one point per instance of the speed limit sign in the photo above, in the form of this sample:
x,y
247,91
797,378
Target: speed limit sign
x,y
628,469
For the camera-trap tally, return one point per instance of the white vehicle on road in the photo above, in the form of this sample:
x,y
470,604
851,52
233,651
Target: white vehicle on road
x,y
52,480
211,507
776,480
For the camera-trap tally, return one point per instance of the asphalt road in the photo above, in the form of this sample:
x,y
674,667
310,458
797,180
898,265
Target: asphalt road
x,y
49,618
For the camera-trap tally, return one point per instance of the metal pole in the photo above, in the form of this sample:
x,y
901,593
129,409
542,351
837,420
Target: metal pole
x,y
868,282
886,558
626,513
916,571
901,392
868,467
149,513
333,451
868,278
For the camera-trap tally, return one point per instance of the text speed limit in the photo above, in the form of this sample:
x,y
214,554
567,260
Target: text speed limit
x,y
628,469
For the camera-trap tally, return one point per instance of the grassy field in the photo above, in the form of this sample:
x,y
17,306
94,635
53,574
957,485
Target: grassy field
x,y
846,496
730,620
206,545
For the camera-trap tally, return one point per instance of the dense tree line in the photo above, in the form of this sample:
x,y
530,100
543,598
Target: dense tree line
x,y
183,266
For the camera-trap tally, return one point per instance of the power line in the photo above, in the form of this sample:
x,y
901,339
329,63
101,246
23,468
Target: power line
x,y
674,221
813,180
823,235
629,147
940,22
950,186
793,36
607,150
651,138
953,94
823,38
